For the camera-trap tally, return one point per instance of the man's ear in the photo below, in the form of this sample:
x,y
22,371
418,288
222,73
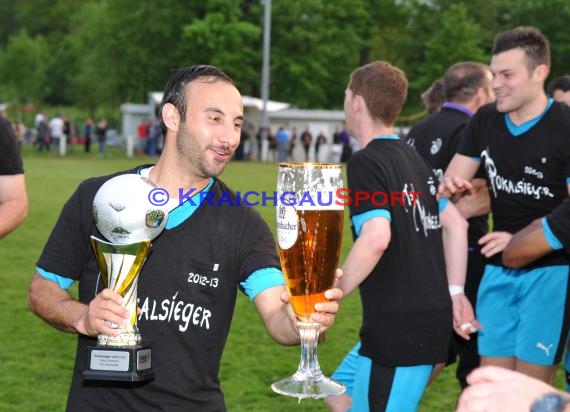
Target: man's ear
x,y
541,72
357,103
480,96
171,117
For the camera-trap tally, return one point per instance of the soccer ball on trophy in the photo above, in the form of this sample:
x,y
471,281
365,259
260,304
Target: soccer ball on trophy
x,y
123,212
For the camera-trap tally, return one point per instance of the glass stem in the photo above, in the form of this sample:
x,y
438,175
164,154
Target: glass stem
x,y
309,365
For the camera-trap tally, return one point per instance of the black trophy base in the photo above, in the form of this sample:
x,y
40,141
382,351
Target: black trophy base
x,y
119,363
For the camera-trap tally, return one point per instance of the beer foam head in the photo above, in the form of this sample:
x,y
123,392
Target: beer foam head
x,y
310,186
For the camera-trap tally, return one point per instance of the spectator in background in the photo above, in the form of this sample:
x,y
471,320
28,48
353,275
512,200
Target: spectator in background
x,y
40,116
13,195
86,133
559,89
321,141
272,143
283,137
68,132
259,140
433,97
19,133
292,142
56,131
101,135
154,135
346,146
306,140
243,143
142,133
336,148
43,134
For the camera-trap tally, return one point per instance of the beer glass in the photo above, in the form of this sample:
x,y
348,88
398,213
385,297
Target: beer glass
x,y
310,221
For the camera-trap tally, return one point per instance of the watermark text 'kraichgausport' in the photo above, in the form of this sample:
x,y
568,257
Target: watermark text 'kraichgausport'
x,y
341,197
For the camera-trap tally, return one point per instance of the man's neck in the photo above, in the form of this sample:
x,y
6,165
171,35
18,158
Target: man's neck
x,y
175,175
529,111
368,134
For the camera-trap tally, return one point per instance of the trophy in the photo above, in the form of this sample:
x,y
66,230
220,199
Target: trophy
x,y
125,217
309,233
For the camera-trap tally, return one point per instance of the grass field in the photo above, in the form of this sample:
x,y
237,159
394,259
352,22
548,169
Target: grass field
x,y
36,360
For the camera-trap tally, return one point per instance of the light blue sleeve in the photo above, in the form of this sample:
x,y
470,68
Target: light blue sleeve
x,y
552,240
359,220
442,203
261,280
62,282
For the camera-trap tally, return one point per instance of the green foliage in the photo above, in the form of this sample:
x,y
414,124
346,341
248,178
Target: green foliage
x,y
23,65
223,39
98,54
455,39
315,46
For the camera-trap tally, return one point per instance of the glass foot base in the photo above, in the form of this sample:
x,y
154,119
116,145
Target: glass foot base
x,y
308,388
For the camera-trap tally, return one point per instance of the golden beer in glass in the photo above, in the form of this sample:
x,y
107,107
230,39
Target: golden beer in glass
x,y
310,221
309,265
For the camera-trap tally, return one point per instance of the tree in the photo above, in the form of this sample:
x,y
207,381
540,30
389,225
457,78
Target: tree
x,y
23,66
223,39
315,45
457,38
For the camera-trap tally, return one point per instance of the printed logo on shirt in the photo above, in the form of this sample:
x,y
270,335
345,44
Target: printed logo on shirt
x,y
435,146
422,219
502,184
183,314
438,173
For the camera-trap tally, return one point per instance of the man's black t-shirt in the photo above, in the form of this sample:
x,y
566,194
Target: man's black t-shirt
x,y
527,174
185,319
406,306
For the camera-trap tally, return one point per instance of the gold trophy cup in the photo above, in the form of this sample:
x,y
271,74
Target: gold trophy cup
x,y
124,215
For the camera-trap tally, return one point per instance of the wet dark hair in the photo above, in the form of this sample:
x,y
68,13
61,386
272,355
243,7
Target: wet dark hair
x,y
530,39
175,89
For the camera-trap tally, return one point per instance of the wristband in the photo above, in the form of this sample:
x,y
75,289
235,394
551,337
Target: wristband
x,y
456,290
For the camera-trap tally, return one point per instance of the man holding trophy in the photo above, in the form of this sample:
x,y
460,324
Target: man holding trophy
x,y
187,285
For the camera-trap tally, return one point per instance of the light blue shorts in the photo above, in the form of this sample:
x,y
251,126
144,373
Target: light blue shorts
x,y
392,389
523,313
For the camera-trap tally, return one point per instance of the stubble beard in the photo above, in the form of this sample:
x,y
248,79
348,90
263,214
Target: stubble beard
x,y
196,156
